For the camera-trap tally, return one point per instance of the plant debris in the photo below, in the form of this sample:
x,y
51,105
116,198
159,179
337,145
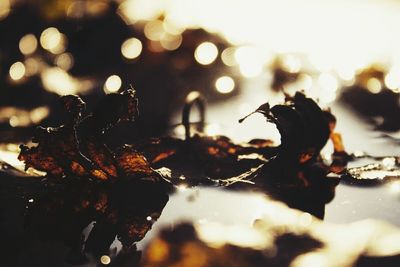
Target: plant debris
x,y
379,170
121,188
201,158
76,148
297,174
87,182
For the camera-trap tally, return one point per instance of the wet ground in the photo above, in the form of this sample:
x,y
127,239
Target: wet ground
x,y
202,205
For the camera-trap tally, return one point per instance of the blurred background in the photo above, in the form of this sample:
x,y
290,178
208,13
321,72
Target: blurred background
x,y
247,52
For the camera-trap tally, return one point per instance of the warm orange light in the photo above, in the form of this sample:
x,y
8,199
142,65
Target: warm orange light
x,y
65,61
59,81
170,41
154,30
28,44
4,8
32,66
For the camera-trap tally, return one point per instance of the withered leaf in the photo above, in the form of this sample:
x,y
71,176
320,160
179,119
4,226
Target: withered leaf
x,y
303,126
77,147
131,163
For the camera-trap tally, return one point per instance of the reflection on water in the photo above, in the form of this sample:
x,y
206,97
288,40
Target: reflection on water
x,y
128,208
265,232
353,203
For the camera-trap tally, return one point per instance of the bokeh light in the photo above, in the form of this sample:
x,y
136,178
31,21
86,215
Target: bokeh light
x,y
251,60
392,79
17,71
78,9
131,48
24,118
170,41
32,66
18,121
154,30
155,46
112,84
59,81
206,53
4,8
172,27
305,82
28,44
228,56
328,82
105,260
38,114
346,73
374,85
52,40
291,64
135,10
225,84
328,86
15,121
64,61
